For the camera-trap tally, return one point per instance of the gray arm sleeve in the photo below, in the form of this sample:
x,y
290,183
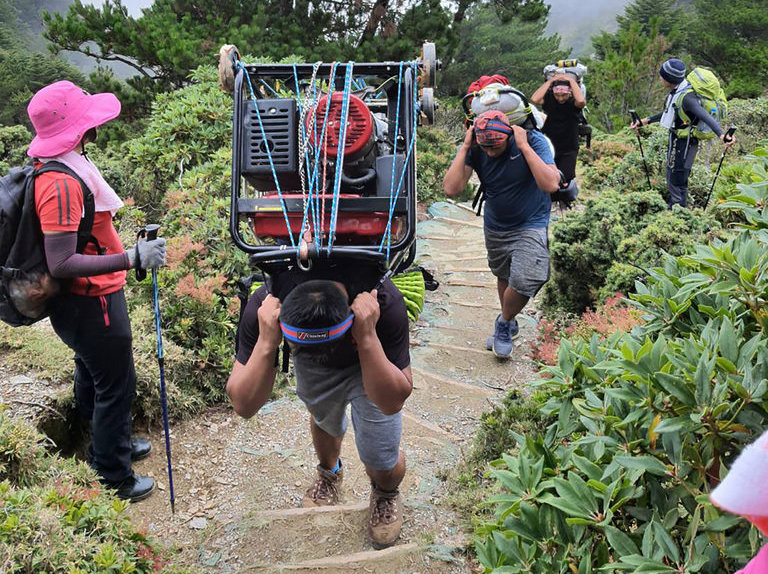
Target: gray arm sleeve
x,y
694,109
64,262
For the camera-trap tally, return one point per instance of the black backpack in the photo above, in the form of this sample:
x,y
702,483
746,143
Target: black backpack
x,y
22,253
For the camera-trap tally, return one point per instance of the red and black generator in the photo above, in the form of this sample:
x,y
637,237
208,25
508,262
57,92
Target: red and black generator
x,y
295,177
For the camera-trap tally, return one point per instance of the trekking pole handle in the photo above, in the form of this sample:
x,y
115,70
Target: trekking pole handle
x,y
151,231
729,134
634,115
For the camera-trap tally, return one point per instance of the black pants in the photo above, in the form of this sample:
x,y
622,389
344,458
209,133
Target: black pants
x,y
680,156
566,162
98,330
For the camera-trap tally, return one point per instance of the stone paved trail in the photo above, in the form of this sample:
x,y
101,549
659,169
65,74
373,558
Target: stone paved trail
x,y
239,484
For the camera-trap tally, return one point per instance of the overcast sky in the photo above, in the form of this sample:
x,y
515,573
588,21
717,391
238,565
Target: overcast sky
x,y
134,6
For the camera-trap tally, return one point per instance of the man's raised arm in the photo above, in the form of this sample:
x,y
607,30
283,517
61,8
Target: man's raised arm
x,y
250,384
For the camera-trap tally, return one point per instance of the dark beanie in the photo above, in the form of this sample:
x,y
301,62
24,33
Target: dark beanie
x,y
673,70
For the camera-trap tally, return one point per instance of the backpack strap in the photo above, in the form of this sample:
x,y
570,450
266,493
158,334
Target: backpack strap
x,y
479,199
85,229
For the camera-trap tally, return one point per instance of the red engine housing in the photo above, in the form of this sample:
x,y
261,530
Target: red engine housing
x,y
359,138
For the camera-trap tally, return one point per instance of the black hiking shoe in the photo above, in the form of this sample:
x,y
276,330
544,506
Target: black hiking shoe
x,y
140,448
134,488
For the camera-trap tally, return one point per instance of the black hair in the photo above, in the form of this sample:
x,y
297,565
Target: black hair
x,y
356,276
316,304
89,136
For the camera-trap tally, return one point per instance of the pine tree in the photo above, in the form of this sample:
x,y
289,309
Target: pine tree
x,y
732,38
626,75
519,50
665,16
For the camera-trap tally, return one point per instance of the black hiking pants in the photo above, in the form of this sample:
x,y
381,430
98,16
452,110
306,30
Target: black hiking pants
x,y
566,162
680,156
98,330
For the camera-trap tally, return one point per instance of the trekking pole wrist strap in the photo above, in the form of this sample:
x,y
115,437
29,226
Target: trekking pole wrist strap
x,y
141,273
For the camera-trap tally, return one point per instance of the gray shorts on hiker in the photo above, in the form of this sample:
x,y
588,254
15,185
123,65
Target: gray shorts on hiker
x,y
520,257
327,391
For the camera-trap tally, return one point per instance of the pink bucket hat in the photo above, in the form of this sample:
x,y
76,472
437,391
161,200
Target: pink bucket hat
x,y
744,490
61,113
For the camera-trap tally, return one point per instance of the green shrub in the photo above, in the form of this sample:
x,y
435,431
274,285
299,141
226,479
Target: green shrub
x,y
751,118
517,414
647,424
604,248
186,128
599,161
56,518
200,307
13,147
436,152
177,173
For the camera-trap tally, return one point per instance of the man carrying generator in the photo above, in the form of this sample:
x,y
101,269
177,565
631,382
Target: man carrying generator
x,y
688,121
350,345
518,174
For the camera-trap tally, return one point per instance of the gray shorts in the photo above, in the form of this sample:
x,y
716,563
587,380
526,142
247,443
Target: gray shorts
x,y
520,258
327,392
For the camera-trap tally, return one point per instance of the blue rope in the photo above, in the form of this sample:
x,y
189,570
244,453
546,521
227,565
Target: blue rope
x,y
387,235
312,174
269,153
340,154
388,230
318,148
270,88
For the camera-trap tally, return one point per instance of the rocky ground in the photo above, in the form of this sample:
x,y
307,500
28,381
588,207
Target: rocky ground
x,y
238,483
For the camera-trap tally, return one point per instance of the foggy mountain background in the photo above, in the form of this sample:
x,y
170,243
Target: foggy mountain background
x,y
577,20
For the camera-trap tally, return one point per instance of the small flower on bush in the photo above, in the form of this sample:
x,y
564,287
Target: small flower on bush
x,y
202,290
179,248
614,315
546,345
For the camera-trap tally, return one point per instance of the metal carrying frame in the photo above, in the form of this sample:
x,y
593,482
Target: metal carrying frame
x,y
402,248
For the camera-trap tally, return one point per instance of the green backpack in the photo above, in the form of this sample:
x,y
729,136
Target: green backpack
x,y
712,97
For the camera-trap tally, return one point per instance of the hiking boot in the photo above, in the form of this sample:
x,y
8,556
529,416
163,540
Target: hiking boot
x,y
514,332
386,517
502,339
325,491
133,488
140,448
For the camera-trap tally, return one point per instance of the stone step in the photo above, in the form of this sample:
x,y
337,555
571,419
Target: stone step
x,y
334,539
400,559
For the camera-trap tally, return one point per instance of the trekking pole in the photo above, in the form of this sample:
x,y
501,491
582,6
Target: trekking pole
x,y
636,118
728,137
151,233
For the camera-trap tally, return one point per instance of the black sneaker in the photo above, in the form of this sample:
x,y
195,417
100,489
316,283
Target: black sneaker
x,y
140,448
133,488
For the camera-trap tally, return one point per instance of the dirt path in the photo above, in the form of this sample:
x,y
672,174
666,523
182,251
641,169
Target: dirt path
x,y
239,484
